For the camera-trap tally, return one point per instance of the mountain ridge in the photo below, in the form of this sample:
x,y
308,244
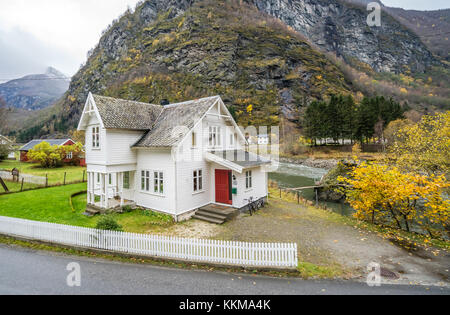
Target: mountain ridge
x,y
35,91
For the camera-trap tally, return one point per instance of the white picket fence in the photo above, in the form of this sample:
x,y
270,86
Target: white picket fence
x,y
279,255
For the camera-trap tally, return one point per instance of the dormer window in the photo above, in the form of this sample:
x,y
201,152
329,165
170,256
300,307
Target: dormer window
x,y
96,137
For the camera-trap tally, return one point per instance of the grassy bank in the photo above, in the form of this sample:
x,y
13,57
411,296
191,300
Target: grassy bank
x,y
55,175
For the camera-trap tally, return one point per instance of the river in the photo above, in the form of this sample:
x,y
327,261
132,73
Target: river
x,y
294,175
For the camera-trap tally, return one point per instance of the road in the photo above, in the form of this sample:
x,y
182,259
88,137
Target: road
x,y
26,271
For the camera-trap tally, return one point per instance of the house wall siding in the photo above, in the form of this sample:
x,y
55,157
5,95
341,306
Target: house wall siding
x,y
94,155
258,191
155,160
118,146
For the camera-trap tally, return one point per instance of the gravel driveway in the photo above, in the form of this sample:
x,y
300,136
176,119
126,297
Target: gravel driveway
x,y
324,239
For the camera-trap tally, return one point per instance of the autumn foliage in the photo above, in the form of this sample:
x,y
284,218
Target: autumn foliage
x,y
385,195
52,156
424,147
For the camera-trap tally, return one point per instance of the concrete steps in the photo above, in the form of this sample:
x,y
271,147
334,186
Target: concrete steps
x,y
216,214
91,211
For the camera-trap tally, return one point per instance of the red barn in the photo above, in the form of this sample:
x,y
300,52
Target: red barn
x,y
30,145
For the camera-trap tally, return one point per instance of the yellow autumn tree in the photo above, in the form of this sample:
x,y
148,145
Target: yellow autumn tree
x,y
47,155
385,195
425,146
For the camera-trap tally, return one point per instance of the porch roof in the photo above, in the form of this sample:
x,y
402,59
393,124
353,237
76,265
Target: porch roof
x,y
237,160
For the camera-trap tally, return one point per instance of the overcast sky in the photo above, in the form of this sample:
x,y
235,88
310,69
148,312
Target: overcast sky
x,y
35,34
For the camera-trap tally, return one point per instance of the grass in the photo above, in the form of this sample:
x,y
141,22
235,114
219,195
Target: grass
x,y
308,270
55,175
52,205
16,186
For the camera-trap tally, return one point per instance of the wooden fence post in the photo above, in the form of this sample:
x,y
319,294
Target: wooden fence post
x,y
46,180
280,193
83,175
21,186
298,197
65,173
317,197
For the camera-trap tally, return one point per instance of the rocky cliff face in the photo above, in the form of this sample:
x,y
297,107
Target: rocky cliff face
x,y
36,91
342,29
188,51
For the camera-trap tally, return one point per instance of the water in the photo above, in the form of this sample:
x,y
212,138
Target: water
x,y
293,176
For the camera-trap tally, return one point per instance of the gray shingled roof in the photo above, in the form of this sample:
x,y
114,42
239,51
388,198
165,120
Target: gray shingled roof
x,y
30,145
123,114
242,158
174,121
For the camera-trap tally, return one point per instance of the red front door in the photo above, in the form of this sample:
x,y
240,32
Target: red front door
x,y
223,192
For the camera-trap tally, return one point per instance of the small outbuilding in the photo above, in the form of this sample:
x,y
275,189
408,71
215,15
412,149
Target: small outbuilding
x,y
30,145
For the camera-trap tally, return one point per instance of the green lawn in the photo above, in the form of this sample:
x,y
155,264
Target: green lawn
x,y
52,205
14,186
55,175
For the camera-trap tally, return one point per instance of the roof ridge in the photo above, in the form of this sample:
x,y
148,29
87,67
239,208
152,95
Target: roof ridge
x,y
191,101
122,99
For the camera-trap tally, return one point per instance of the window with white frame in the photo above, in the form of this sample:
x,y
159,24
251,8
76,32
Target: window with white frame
x,y
248,180
215,136
96,137
198,180
126,180
158,183
98,177
69,155
145,180
109,179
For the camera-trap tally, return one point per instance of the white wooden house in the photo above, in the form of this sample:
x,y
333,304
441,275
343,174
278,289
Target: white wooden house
x,y
173,159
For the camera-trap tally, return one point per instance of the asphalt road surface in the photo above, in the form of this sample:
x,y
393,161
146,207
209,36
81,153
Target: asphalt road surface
x,y
25,271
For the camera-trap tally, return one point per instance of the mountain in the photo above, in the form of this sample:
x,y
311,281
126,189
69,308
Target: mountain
x,y
270,54
431,26
36,91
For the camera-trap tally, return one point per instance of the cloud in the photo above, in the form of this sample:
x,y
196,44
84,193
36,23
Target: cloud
x,y
21,53
417,4
61,32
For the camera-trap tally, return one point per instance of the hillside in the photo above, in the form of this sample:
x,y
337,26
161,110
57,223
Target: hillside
x,y
431,26
36,91
250,52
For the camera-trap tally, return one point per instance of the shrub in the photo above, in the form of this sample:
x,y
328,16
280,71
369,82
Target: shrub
x,y
127,209
157,218
107,222
4,151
